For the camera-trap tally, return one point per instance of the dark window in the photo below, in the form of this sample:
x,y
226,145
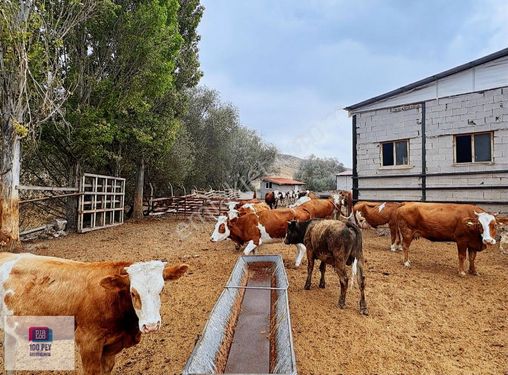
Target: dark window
x,y
463,149
401,153
388,153
473,148
482,145
395,153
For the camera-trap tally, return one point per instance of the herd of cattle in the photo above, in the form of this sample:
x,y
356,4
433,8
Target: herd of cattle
x,y
339,243
114,302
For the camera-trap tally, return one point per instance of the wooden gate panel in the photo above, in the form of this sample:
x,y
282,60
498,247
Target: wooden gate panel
x,y
101,204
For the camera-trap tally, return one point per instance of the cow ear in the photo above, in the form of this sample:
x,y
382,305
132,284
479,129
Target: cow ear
x,y
174,272
115,282
472,223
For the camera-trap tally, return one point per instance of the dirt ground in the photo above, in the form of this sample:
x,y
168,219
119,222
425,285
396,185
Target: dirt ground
x,y
423,320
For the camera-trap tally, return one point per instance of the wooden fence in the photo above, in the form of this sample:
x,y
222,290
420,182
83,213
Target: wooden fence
x,y
187,205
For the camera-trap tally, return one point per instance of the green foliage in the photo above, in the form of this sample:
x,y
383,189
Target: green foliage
x,y
223,152
319,174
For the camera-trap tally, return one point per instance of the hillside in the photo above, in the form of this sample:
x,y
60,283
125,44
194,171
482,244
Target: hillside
x,y
286,165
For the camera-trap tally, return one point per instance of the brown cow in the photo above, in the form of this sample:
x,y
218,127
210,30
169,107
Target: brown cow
x,y
335,243
271,199
256,229
323,208
112,302
469,226
346,200
375,214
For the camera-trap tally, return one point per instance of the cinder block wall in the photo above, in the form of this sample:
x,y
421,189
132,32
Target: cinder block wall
x,y
445,117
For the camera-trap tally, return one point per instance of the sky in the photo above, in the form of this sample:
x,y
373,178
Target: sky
x,y
291,66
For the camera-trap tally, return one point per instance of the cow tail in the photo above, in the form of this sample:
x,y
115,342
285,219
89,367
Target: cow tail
x,y
356,251
354,271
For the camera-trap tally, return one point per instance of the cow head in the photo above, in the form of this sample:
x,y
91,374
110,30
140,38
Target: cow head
x,y
145,281
360,220
488,227
337,200
295,232
221,230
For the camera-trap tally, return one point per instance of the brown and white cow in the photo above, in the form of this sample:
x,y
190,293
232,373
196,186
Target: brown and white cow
x,y
467,225
112,302
237,209
374,214
256,229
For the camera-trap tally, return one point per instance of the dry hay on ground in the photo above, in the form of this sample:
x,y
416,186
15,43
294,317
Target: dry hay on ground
x,y
423,320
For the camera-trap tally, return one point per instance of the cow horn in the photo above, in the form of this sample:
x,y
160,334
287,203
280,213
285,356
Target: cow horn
x,y
477,214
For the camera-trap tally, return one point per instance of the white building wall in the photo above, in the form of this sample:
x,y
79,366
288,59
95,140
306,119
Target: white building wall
x,y
445,117
344,182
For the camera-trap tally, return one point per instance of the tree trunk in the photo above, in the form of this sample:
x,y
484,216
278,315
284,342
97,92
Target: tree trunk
x,y
138,193
9,205
71,209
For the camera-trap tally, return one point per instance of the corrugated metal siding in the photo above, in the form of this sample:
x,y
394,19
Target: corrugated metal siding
x,y
482,77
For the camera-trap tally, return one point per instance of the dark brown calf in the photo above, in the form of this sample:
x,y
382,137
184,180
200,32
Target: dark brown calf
x,y
335,243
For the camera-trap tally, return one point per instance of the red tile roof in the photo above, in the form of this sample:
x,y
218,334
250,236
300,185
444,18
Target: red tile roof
x,y
282,181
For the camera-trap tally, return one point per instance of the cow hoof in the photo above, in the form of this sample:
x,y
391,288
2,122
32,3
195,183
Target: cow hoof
x,y
462,274
407,263
342,305
473,273
364,311
307,287
393,248
322,285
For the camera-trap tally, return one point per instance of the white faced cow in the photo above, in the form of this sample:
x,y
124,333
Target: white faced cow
x,y
112,302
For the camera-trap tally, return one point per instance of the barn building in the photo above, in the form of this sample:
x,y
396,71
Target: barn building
x,y
344,180
441,139
282,184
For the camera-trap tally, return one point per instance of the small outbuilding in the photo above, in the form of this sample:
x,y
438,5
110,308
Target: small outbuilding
x,y
282,184
441,139
344,180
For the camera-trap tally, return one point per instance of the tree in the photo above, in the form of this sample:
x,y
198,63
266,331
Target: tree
x,y
225,153
33,63
252,158
319,174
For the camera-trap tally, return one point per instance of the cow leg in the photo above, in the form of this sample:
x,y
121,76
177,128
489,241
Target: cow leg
x,y
472,256
406,235
322,268
251,246
343,278
310,268
462,250
394,238
90,350
107,363
300,250
360,276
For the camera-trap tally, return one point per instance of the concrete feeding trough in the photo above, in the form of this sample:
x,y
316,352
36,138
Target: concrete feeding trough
x,y
249,329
